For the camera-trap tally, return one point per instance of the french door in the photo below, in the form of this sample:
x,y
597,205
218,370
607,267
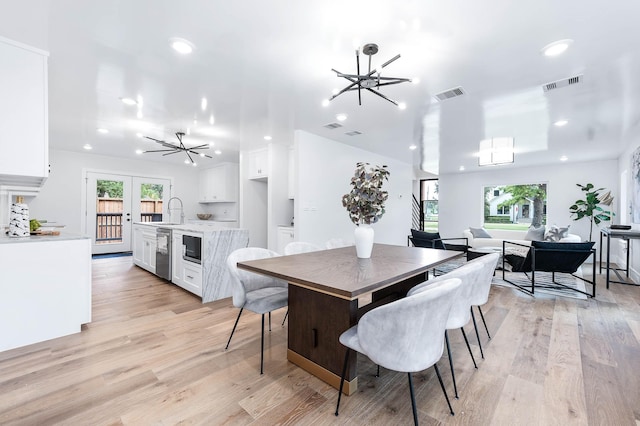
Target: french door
x,y
115,201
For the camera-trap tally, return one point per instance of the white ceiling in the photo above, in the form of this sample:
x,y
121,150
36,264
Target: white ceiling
x,y
265,67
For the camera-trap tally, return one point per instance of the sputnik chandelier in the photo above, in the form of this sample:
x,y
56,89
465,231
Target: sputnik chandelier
x,y
173,149
370,81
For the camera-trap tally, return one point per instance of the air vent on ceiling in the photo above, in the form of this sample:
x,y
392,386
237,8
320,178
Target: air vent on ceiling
x,y
353,133
562,83
448,94
332,125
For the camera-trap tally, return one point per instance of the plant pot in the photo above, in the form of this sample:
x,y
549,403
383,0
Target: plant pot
x,y
363,236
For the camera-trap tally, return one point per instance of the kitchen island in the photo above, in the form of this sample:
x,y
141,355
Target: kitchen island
x,y
208,279
45,289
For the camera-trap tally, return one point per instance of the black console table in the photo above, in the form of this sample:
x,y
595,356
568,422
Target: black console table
x,y
609,233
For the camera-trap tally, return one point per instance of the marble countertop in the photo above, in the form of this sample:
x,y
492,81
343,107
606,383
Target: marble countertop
x,y
192,227
5,239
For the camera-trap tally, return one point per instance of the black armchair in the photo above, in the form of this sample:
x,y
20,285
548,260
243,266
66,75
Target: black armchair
x,y
554,257
433,240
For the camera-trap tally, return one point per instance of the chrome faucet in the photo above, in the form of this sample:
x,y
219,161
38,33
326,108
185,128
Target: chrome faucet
x,y
181,209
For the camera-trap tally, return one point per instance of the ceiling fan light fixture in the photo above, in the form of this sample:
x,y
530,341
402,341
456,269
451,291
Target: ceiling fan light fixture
x,y
170,148
372,81
561,123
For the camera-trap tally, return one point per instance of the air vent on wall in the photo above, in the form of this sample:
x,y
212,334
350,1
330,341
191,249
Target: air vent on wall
x,y
562,83
448,94
353,133
332,125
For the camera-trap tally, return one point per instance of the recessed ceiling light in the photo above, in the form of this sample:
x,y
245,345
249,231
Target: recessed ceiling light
x,y
187,161
139,151
267,138
402,105
188,131
129,101
139,114
412,147
217,152
560,123
102,130
557,47
325,102
564,158
203,104
461,168
139,134
212,143
181,45
211,119
87,146
415,80
341,117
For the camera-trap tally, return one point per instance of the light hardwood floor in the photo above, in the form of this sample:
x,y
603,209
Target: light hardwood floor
x,y
155,355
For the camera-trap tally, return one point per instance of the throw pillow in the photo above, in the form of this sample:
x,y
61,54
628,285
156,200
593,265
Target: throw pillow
x,y
479,233
556,234
535,234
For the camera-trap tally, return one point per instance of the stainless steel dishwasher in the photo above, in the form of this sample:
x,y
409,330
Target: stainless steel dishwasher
x,y
163,253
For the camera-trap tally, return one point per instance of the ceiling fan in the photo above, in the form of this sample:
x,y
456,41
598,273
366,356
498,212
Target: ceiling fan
x,y
173,149
372,79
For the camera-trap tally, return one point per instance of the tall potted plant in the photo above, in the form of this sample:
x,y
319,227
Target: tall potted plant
x,y
590,208
365,203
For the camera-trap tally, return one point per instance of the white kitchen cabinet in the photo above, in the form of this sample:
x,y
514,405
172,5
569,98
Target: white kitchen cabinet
x,y
285,236
144,247
219,184
259,164
185,274
24,144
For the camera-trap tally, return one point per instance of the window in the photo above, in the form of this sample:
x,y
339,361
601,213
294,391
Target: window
x,y
515,206
429,204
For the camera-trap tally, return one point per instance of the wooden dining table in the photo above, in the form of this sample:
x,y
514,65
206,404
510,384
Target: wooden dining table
x,y
329,290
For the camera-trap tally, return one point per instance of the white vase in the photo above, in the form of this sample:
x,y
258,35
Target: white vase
x,y
363,235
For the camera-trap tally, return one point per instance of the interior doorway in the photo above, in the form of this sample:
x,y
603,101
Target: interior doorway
x,y
115,201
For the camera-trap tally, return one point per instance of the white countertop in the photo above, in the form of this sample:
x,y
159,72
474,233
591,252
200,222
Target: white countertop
x,y
192,227
5,239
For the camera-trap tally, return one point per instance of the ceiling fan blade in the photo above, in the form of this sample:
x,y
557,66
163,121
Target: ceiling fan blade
x,y
199,153
390,60
186,151
203,146
358,71
382,96
158,150
169,153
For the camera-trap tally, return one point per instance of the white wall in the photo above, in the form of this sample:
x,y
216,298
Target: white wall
x,y
461,194
61,197
624,211
324,168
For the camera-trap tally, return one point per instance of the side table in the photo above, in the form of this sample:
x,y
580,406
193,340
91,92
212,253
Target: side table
x,y
625,235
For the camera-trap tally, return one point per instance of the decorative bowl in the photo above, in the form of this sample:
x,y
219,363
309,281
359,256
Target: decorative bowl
x,y
204,216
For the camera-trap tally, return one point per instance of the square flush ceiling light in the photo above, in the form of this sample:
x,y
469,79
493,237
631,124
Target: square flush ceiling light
x,y
495,151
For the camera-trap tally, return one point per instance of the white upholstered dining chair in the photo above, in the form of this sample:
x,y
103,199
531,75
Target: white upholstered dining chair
x,y
480,292
460,313
405,335
255,292
297,247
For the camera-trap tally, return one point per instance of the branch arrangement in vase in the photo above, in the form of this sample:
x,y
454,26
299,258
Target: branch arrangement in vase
x,y
365,201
